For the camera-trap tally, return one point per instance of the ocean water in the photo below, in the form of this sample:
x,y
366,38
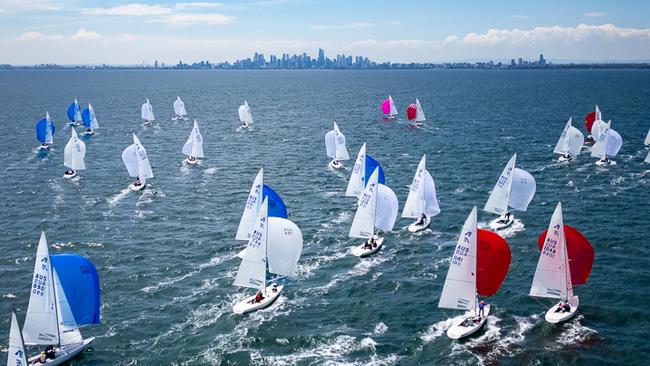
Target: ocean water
x,y
166,256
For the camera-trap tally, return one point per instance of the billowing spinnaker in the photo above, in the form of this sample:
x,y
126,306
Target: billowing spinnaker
x,y
284,246
459,290
80,282
387,208
522,190
581,253
493,262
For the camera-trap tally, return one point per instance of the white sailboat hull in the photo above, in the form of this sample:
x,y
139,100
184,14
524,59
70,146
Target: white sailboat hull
x,y
245,306
414,227
64,353
605,162
70,176
554,316
135,188
497,223
190,162
563,158
335,164
459,330
359,251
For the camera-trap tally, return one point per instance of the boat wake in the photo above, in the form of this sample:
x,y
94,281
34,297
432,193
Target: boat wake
x,y
575,333
112,201
215,261
510,231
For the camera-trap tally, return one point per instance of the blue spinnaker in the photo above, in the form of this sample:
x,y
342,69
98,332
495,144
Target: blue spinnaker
x,y
371,164
80,283
276,206
85,117
41,130
73,111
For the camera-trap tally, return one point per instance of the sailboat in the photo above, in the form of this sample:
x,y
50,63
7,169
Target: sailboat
x,y
594,124
515,189
193,148
74,113
258,192
16,352
377,209
415,113
73,155
89,120
137,163
607,145
421,203
45,132
179,110
478,266
570,143
146,112
646,142
565,260
335,146
364,166
388,108
274,247
245,116
64,296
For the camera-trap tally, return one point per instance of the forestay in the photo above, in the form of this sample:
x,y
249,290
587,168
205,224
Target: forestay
x,y
74,152
422,194
552,276
194,144
363,224
497,203
252,270
459,290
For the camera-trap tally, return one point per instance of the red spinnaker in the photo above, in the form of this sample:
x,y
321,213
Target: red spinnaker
x,y
492,262
589,121
411,111
581,254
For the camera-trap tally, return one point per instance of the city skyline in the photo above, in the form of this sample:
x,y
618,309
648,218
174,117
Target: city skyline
x,y
125,33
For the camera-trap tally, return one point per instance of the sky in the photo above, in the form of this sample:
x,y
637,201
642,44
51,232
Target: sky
x,y
125,32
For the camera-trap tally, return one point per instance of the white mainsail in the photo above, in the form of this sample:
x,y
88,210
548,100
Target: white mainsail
x,y
93,119
459,290
252,270
356,182
136,160
419,113
363,224
41,323
647,139
16,352
393,109
570,141
245,115
251,208
74,152
179,107
387,208
553,275
647,158
147,111
335,144
194,145
422,194
284,246
497,203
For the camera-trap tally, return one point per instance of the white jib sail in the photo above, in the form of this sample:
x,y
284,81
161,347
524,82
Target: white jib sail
x,y
41,324
419,113
599,148
459,290
356,182
553,276
393,109
284,246
49,136
522,190
93,119
252,270
68,330
647,139
16,352
422,194
194,144
387,208
363,225
74,152
339,143
497,203
179,107
144,168
251,208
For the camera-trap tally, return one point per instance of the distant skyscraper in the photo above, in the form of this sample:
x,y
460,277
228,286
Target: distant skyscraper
x,y
321,57
541,60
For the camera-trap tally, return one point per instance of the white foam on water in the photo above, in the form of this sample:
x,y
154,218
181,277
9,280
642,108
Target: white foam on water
x,y
438,329
330,194
575,333
112,201
517,226
380,328
210,171
306,267
9,296
213,262
363,267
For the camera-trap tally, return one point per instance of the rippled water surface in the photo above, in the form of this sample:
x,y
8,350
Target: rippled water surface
x,y
166,256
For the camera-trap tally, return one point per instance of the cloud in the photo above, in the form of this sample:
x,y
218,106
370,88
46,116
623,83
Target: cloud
x,y
520,16
36,36
354,25
595,14
199,5
129,10
12,6
187,19
85,35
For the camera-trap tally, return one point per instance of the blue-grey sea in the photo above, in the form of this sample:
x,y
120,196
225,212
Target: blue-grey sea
x,y
166,255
